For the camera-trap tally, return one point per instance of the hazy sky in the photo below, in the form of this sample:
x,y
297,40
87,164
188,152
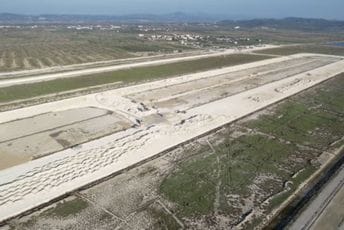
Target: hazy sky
x,y
333,9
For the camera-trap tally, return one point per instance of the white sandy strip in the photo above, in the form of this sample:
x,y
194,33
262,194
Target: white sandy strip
x,y
90,100
76,73
29,185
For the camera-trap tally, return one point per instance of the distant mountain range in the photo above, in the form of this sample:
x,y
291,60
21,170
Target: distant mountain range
x,y
303,24
287,23
149,18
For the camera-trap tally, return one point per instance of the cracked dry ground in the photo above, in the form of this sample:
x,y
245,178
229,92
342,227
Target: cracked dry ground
x,y
230,179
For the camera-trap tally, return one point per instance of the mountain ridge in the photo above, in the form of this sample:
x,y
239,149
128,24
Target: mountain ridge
x,y
297,23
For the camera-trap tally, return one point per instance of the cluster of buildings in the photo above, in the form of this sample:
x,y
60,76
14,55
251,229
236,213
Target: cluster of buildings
x,y
196,40
9,27
69,27
184,39
94,27
172,37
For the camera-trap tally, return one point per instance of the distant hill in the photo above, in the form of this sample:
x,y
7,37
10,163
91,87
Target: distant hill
x,y
175,17
6,17
178,17
288,23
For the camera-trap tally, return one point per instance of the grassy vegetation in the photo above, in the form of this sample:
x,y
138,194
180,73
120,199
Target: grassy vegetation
x,y
289,50
296,182
67,208
127,76
192,185
253,167
63,209
249,156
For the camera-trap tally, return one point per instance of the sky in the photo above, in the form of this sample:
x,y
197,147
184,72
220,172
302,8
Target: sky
x,y
329,9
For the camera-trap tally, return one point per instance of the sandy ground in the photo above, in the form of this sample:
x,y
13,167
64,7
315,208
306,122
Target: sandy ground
x,y
46,77
10,160
158,128
47,133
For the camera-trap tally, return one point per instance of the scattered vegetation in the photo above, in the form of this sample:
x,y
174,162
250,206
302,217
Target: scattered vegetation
x,y
37,48
193,185
67,208
164,220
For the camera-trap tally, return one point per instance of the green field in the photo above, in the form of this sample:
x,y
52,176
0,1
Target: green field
x,y
126,76
67,208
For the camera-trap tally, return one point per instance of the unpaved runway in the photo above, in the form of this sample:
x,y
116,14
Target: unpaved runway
x,y
47,70
165,113
17,80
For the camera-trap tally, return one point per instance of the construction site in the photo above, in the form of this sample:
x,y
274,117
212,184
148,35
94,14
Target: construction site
x,y
129,155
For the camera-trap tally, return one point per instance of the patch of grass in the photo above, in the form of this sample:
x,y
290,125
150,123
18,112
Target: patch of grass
x,y
127,76
304,175
300,178
67,208
278,200
192,187
289,50
248,156
163,220
61,210
329,98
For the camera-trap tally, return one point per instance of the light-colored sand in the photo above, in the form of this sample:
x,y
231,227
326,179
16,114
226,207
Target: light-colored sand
x,y
47,133
75,73
24,127
28,185
10,160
